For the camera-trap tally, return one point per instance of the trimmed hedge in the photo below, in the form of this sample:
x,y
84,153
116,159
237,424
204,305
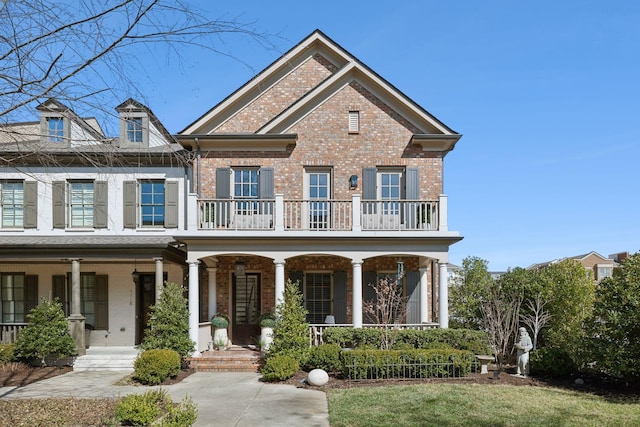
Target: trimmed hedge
x,y
154,366
279,368
385,364
325,356
459,339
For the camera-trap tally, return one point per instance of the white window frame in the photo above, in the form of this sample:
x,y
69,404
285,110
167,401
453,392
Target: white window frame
x,y
317,205
153,204
391,207
85,204
13,210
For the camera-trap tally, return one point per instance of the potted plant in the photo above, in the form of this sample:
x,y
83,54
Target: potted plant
x,y
267,323
219,323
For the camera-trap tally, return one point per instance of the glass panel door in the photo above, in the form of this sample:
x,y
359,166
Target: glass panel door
x,y
246,307
319,190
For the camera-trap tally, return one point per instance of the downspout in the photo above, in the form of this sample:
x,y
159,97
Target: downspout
x,y
198,157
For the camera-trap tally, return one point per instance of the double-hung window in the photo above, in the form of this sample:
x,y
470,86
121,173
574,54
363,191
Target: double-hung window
x,y
317,296
94,298
245,188
150,203
18,295
389,190
134,129
55,129
81,204
12,204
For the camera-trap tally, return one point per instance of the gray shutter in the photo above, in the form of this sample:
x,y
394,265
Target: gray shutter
x,y
412,184
223,191
57,195
368,293
102,303
266,190
413,296
340,296
129,191
171,204
100,202
30,204
411,187
369,192
30,293
58,288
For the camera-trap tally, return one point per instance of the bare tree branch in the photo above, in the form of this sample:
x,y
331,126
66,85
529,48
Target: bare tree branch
x,y
537,318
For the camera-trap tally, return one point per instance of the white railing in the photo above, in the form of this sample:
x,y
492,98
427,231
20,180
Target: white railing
x,y
318,215
9,332
316,331
251,214
323,215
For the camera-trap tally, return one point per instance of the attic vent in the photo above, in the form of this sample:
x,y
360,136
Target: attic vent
x,y
354,121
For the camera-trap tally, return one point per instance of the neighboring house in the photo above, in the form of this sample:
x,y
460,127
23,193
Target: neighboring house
x,y
319,171
80,212
595,264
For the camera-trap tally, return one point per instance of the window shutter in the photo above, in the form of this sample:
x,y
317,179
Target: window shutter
x,y
30,204
412,184
340,296
369,184
102,303
129,189
30,293
100,202
58,193
368,293
413,296
266,191
58,288
223,183
171,204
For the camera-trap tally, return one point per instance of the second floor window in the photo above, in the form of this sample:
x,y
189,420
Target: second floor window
x,y
12,203
55,129
134,129
389,189
245,186
81,204
152,203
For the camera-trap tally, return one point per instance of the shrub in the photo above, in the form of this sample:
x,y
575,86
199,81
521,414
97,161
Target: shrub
x,y
380,364
6,353
280,368
551,362
46,334
325,356
141,409
267,320
154,366
220,321
168,326
184,414
291,334
340,336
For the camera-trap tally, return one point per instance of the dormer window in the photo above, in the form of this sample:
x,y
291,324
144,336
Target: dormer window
x,y
55,129
134,129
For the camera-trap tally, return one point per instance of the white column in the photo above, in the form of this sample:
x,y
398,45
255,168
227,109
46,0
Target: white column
x,y
443,224
443,292
159,277
279,212
213,303
75,288
424,295
279,280
193,304
357,293
355,208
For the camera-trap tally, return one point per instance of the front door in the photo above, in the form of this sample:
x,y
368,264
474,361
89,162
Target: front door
x,y
246,307
145,297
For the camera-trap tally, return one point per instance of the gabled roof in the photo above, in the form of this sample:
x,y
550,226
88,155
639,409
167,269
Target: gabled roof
x,y
576,257
432,135
54,105
133,105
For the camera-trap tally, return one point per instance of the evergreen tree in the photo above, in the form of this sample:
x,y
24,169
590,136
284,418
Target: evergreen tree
x,y
168,326
291,334
46,334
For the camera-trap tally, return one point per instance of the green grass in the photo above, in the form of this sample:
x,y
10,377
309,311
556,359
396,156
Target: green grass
x,y
475,405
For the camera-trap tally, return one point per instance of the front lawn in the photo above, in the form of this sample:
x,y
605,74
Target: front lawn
x,y
476,405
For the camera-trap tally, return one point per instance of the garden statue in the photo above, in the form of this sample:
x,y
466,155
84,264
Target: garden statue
x,y
523,346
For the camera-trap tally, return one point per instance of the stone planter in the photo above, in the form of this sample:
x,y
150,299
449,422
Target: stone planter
x,y
221,338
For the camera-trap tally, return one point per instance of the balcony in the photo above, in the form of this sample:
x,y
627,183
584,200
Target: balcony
x,y
322,215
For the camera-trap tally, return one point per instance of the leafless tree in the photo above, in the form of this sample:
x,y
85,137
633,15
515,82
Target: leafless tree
x,y
389,308
87,53
500,314
537,318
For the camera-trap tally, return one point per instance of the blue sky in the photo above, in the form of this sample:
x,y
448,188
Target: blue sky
x,y
546,94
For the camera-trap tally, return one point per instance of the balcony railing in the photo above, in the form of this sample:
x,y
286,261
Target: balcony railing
x,y
322,215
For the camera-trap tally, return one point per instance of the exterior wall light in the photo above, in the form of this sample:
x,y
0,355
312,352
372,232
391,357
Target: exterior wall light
x,y
353,182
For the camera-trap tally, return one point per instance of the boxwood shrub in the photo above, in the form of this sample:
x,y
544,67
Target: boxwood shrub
x,y
154,366
279,368
417,363
325,356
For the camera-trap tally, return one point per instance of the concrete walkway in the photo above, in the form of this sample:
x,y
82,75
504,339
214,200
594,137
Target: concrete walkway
x,y
223,398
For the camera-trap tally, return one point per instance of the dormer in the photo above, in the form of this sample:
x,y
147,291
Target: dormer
x,y
134,124
55,123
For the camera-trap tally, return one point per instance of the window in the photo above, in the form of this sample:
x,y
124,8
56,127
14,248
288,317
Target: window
x,y
604,272
55,129
134,129
152,203
389,189
245,186
12,203
81,204
354,121
318,191
93,298
317,296
12,294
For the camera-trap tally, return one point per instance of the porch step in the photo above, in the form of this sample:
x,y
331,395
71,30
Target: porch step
x,y
107,359
235,359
